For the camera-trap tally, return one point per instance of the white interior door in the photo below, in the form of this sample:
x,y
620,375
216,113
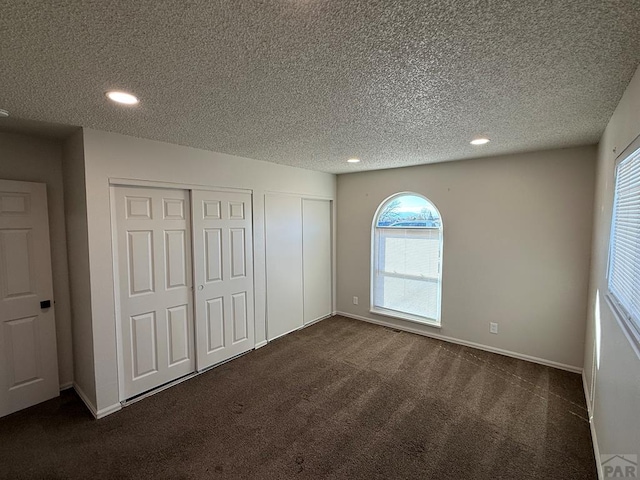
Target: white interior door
x,y
28,357
316,258
283,237
223,273
155,290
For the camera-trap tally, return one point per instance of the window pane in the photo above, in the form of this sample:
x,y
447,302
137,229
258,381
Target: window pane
x,y
624,255
409,211
415,297
409,252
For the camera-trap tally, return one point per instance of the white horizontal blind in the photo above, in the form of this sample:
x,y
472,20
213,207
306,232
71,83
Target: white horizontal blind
x,y
624,255
407,273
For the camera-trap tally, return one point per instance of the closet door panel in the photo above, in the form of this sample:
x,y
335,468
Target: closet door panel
x,y
316,253
283,238
153,250
223,273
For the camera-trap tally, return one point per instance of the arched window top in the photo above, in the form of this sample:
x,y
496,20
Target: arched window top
x,y
408,210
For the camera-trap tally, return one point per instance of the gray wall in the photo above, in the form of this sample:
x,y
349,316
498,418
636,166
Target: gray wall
x,y
75,203
612,368
517,241
32,159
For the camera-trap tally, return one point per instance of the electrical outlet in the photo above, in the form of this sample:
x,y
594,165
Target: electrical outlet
x,y
493,327
355,300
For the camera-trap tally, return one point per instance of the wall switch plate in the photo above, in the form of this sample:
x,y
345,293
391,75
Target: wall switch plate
x,y
493,327
355,300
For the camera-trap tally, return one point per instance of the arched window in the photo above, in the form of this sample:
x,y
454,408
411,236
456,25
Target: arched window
x,y
406,268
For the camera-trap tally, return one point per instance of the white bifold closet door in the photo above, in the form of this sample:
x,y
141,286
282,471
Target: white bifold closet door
x,y
316,259
223,268
155,279
283,238
298,262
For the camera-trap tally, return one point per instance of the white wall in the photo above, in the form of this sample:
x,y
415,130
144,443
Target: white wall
x,y
32,159
612,369
113,156
517,240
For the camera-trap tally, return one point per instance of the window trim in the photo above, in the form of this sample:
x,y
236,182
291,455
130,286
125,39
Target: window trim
x,y
629,327
387,312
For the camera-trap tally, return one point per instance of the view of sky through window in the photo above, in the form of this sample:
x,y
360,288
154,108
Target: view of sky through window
x,y
409,211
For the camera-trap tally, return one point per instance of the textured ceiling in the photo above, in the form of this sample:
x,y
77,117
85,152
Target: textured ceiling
x,y
311,83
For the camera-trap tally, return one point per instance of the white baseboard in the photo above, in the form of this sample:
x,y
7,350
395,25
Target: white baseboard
x,y
98,414
66,386
260,344
594,438
479,346
85,399
108,410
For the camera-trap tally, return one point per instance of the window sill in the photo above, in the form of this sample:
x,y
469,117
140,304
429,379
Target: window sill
x,y
625,324
429,322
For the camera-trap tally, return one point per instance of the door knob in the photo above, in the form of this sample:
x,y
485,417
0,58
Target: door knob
x,y
200,287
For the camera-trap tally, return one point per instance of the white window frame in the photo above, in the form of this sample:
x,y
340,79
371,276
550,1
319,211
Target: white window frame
x,y
432,322
629,325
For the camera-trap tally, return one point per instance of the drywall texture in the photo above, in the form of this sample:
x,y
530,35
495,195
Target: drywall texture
x,y
312,82
76,214
32,159
517,239
612,368
111,156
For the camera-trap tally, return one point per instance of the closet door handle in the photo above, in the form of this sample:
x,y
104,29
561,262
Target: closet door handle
x,y
200,287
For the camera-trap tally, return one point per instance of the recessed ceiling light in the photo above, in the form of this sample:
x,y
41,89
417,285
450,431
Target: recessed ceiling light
x,y
480,141
353,160
122,97
3,113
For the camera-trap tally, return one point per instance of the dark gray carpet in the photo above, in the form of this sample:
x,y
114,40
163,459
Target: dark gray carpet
x,y
340,399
